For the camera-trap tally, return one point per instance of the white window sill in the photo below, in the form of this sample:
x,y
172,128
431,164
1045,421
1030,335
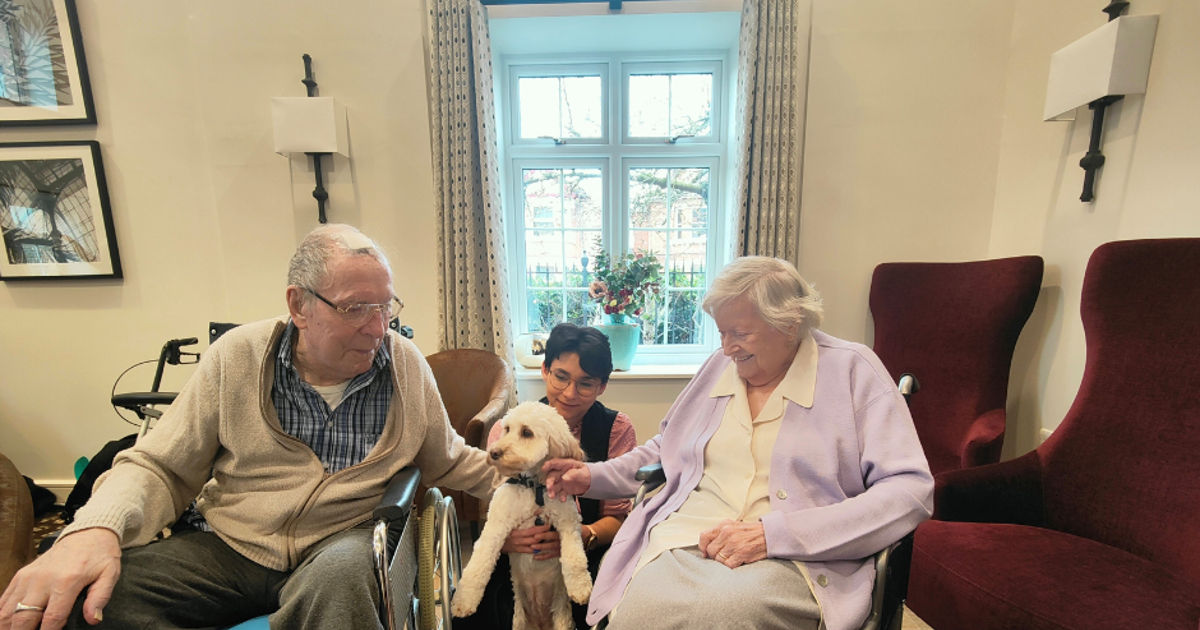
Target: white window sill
x,y
638,373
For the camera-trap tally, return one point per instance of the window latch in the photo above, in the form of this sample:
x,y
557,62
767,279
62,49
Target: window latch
x,y
674,139
557,141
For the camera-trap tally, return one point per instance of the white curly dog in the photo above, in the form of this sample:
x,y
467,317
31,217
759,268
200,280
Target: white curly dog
x,y
532,434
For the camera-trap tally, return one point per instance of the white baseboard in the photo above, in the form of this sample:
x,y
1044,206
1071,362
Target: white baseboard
x,y
60,487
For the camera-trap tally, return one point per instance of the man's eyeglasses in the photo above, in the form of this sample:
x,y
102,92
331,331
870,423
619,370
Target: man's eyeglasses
x,y
358,314
560,381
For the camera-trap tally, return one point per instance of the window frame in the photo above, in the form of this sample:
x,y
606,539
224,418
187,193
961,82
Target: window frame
x,y
615,154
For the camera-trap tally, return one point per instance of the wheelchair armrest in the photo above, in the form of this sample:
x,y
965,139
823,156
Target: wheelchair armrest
x,y
651,476
399,496
133,400
891,585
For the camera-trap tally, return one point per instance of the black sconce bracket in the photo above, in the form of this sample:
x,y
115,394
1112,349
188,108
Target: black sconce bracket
x,y
319,193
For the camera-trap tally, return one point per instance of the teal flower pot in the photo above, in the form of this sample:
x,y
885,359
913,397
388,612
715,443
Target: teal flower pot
x,y
624,333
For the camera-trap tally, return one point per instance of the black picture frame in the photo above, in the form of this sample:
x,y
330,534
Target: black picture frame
x,y
55,216
43,70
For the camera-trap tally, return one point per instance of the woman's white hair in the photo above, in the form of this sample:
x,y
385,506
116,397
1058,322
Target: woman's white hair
x,y
309,268
776,290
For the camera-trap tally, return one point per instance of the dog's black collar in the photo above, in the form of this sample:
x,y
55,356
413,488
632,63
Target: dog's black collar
x,y
531,482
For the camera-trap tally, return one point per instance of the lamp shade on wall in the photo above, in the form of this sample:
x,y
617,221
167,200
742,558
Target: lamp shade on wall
x,y
1111,60
309,125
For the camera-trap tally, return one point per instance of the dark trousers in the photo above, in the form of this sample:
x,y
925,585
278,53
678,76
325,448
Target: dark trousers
x,y
194,580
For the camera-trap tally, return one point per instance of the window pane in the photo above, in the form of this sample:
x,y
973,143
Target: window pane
x,y
691,104
543,198
580,247
687,265
581,101
539,107
545,309
650,242
649,105
543,258
581,310
684,322
648,197
689,198
583,191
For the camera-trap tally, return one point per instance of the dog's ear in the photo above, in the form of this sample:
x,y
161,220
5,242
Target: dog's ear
x,y
563,445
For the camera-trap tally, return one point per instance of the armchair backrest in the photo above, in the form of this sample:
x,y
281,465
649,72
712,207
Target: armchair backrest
x,y
1123,468
954,325
469,380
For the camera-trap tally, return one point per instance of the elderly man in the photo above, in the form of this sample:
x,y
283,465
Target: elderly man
x,y
286,436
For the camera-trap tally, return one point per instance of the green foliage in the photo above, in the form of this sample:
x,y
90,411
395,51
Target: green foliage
x,y
621,285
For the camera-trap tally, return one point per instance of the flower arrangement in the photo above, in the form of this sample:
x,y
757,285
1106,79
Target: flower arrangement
x,y
622,285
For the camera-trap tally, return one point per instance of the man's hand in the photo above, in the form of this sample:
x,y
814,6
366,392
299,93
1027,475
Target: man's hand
x,y
566,478
539,540
734,543
86,559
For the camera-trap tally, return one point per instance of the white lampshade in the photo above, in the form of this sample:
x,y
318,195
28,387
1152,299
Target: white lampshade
x,y
309,125
1111,60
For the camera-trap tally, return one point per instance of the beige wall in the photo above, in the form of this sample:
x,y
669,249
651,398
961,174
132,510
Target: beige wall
x,y
1147,188
206,214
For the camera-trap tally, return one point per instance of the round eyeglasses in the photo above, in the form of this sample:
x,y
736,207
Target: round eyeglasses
x,y
560,381
358,314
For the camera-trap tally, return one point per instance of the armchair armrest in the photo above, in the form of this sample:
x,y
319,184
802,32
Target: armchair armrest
x,y
399,496
981,445
476,432
1007,492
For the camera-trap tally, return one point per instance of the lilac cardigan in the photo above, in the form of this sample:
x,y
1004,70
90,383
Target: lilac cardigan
x,y
848,478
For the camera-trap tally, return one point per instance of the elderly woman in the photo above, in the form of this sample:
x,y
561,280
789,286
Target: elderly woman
x,y
790,459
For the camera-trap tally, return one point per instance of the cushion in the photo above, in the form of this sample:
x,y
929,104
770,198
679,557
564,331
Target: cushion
x,y
987,576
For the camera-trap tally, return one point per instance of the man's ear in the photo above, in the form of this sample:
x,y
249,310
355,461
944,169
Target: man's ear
x,y
295,302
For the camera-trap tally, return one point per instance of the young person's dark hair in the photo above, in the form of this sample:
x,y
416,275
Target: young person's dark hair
x,y
595,355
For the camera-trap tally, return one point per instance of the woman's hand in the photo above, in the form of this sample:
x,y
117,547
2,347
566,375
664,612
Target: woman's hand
x,y
566,478
734,543
539,540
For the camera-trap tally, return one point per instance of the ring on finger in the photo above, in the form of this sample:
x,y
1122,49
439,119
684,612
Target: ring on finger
x,y
24,607
723,556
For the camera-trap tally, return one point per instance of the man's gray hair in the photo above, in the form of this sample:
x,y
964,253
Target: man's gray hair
x,y
309,267
780,295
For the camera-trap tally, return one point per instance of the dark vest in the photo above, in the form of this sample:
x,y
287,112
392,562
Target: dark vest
x,y
594,438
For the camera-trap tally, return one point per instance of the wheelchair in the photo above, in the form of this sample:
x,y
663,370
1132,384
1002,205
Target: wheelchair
x,y
891,563
416,553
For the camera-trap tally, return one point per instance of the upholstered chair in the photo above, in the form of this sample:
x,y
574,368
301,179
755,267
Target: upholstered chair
x,y
16,522
1099,527
954,326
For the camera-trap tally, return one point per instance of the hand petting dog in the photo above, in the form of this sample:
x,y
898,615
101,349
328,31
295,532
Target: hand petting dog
x,y
533,434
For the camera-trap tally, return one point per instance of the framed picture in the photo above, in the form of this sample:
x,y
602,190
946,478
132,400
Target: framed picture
x,y
43,75
54,212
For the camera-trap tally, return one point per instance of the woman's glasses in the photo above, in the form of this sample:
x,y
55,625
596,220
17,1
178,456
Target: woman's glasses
x,y
560,381
358,314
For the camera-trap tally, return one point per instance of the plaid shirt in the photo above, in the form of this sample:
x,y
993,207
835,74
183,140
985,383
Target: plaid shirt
x,y
342,437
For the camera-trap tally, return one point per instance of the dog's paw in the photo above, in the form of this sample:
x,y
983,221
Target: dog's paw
x,y
579,588
459,609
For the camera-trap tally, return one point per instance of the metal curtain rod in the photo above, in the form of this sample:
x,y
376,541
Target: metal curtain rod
x,y
614,5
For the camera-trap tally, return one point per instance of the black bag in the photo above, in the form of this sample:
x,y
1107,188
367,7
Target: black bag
x,y
96,467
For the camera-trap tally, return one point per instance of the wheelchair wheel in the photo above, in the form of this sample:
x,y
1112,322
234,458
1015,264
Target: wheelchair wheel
x,y
439,561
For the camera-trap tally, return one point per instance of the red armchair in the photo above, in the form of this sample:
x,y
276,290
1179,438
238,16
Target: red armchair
x,y
954,326
1099,527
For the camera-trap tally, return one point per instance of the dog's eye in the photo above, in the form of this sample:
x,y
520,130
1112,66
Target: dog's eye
x,y
526,433
506,429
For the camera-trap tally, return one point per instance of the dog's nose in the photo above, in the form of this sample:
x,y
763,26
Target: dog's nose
x,y
496,453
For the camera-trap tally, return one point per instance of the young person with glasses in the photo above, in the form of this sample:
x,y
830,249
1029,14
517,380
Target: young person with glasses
x,y
576,368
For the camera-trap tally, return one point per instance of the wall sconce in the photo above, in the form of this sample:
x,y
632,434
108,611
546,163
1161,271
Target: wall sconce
x,y
312,125
1098,70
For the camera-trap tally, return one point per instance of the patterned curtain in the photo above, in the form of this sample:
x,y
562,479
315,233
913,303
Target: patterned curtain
x,y
771,94
472,279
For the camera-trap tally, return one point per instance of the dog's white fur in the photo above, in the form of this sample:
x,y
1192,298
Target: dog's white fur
x,y
532,434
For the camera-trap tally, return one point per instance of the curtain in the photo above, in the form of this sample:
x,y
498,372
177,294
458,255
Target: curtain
x,y
771,93
472,279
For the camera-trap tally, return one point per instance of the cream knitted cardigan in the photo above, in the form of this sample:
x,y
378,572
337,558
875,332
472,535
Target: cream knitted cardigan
x,y
263,491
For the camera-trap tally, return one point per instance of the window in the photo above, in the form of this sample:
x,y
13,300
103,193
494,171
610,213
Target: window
x,y
624,152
